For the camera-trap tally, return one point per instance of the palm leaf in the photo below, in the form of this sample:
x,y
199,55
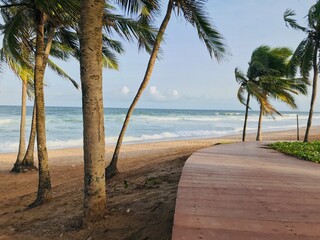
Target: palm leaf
x,y
296,58
240,77
132,7
109,59
306,61
196,16
62,74
287,16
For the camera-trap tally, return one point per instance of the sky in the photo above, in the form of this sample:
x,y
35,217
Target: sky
x,y
185,77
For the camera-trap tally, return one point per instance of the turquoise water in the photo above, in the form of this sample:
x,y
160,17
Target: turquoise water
x,y
64,125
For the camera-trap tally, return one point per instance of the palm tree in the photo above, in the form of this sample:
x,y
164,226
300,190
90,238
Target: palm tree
x,y
46,17
281,89
96,17
265,80
92,105
193,11
306,55
251,88
18,53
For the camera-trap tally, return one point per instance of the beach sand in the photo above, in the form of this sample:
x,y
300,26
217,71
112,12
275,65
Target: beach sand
x,y
141,199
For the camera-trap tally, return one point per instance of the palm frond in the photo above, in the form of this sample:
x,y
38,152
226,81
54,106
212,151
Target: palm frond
x,y
112,44
132,7
287,16
62,74
193,11
60,12
306,61
12,37
109,59
296,58
129,29
314,16
241,95
240,77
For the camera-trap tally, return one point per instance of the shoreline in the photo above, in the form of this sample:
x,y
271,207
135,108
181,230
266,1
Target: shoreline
x,y
224,136
72,156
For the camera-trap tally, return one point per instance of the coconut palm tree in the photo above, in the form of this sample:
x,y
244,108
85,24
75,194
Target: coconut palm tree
x,y
18,37
279,89
265,81
46,16
193,12
94,19
250,87
92,105
306,56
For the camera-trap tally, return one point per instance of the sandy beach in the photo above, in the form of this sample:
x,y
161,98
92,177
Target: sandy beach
x,y
141,199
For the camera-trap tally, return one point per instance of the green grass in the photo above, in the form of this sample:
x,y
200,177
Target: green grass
x,y
309,151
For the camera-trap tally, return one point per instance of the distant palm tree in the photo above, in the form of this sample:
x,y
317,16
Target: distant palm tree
x,y
251,88
280,89
266,80
306,56
193,12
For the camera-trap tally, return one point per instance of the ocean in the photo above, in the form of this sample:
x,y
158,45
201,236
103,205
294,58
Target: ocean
x,y
64,125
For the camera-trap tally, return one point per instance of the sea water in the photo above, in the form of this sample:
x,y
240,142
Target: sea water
x,y
64,125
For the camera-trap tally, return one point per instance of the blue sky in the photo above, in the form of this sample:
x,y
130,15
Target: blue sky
x,y
185,76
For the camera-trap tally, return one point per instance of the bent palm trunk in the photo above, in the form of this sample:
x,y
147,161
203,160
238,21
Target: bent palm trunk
x,y
44,186
314,92
94,203
259,137
245,119
112,170
28,160
22,142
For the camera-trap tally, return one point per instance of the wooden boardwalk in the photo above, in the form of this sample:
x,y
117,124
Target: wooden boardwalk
x,y
244,191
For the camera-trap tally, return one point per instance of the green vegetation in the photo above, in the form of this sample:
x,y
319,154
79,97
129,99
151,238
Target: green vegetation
x,y
306,150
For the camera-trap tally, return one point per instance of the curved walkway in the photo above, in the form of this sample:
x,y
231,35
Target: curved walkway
x,y
244,191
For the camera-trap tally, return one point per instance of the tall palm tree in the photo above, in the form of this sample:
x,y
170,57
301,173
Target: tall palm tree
x,y
19,38
92,105
306,56
193,12
96,18
46,16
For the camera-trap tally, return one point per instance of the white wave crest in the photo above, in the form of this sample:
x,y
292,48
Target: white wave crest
x,y
5,121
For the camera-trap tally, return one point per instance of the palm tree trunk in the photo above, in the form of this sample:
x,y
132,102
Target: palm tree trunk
x,y
22,142
245,119
112,170
259,137
314,91
93,113
28,160
44,186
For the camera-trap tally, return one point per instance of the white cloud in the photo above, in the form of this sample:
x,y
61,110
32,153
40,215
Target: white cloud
x,y
154,92
175,94
125,90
